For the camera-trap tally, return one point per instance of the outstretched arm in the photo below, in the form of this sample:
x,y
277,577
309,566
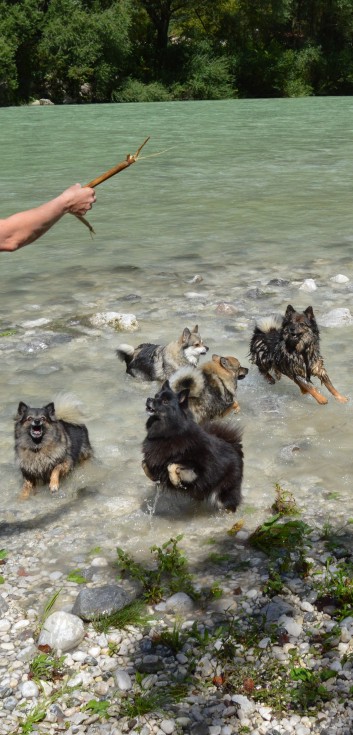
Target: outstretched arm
x,y
25,227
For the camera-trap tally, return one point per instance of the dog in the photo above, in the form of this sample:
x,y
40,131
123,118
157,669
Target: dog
x,y
212,387
204,462
48,447
157,362
290,346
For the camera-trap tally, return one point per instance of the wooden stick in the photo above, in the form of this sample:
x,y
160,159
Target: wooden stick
x,y
119,167
108,174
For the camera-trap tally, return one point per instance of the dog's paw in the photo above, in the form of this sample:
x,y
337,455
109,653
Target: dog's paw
x,y
53,488
341,399
179,475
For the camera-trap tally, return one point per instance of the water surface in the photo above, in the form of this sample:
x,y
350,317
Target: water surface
x,y
253,196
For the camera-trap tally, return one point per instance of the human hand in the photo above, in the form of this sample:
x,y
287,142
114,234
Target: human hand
x,y
78,199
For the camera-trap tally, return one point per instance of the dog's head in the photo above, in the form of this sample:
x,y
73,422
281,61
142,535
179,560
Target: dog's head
x,y
35,421
231,365
167,409
299,329
192,344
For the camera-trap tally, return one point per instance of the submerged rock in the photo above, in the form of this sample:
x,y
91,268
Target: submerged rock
x,y
335,318
119,322
308,285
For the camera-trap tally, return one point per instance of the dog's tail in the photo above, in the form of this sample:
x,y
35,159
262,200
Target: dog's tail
x,y
188,378
269,323
227,431
125,353
69,408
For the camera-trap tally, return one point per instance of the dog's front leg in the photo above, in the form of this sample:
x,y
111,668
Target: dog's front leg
x,y
309,388
59,471
179,475
27,487
234,407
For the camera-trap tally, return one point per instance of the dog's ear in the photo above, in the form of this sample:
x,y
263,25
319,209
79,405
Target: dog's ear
x,y
289,310
224,362
22,408
166,385
183,397
185,335
216,358
309,312
50,408
195,330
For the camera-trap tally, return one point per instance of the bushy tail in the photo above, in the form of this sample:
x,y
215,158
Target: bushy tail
x,y
69,408
267,323
227,431
188,377
125,353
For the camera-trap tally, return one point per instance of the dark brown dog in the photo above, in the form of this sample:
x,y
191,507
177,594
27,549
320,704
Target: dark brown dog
x,y
205,462
46,447
212,387
290,346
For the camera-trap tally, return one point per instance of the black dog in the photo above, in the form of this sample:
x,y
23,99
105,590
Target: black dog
x,y
48,447
205,462
290,346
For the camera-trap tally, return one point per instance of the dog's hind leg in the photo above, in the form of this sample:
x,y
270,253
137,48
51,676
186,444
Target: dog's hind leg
x,y
309,388
59,471
234,407
179,475
327,382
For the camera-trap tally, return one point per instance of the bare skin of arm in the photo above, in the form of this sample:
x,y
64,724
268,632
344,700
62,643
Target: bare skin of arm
x,y
23,228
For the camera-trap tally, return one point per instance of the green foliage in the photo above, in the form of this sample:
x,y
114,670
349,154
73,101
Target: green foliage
x,y
135,91
132,614
310,691
76,576
284,503
274,535
137,704
47,667
174,638
169,575
336,589
97,707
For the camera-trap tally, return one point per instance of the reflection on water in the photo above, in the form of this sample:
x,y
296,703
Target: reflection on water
x,y
253,197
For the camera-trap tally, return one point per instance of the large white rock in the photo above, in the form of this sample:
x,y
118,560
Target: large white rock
x,y
336,318
119,322
308,285
340,278
180,603
62,630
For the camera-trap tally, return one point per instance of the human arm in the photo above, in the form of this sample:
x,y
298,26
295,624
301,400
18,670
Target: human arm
x,y
25,227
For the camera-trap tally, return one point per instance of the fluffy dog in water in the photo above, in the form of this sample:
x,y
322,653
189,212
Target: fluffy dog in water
x,y
290,346
212,387
205,462
155,362
48,447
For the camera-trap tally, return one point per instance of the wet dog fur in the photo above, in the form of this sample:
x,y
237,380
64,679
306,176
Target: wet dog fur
x,y
212,387
290,346
47,447
204,462
158,362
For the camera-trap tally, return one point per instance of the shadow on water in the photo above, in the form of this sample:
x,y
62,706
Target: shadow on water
x,y
10,528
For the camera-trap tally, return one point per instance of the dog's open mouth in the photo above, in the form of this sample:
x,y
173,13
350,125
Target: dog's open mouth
x,y
150,405
36,432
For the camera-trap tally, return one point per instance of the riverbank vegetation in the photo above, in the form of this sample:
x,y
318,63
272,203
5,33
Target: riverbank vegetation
x,y
149,50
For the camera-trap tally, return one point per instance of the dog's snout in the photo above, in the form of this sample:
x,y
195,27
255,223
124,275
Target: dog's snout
x,y
36,422
205,349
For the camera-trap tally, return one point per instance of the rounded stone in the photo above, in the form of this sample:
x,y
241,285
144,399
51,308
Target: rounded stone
x,y
62,630
29,689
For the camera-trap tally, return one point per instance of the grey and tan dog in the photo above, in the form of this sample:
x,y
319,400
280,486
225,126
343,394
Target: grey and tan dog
x,y
290,346
158,362
47,447
212,387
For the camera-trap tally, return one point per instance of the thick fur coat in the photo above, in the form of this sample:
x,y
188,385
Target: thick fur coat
x,y
48,447
205,463
212,387
158,362
290,346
